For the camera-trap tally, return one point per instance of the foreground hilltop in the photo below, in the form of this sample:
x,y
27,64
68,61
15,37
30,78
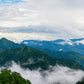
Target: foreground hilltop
x,y
8,77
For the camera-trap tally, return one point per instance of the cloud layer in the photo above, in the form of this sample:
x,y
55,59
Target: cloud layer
x,y
56,18
59,75
35,12
18,37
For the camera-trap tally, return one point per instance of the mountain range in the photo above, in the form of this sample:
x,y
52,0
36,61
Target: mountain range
x,y
72,49
76,45
31,58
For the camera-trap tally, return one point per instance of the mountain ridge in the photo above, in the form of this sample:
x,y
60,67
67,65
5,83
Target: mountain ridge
x,y
38,59
76,45
6,44
24,54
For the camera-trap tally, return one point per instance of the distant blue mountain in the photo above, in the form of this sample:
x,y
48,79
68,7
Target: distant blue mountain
x,y
76,45
74,40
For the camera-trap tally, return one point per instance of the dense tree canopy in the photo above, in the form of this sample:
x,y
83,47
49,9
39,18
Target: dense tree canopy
x,y
82,82
8,77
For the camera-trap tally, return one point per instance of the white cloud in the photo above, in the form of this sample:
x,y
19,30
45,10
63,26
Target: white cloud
x,y
62,18
18,37
55,12
59,75
39,35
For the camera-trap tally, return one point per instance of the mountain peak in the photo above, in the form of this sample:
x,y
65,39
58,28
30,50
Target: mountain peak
x,y
7,44
3,38
6,41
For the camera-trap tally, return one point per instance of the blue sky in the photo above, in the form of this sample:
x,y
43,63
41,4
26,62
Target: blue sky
x,y
10,1
41,19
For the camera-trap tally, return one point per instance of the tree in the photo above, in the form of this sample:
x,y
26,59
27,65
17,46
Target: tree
x,y
8,77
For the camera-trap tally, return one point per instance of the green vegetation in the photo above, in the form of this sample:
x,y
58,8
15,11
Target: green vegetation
x,y
66,55
8,77
7,44
33,59
80,82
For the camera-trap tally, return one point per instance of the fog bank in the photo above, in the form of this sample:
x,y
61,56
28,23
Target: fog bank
x,y
59,75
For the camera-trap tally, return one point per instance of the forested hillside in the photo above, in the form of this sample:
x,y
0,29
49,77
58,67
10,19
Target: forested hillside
x,y
8,77
33,59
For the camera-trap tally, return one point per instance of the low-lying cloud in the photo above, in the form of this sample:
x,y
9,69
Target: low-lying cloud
x,y
58,75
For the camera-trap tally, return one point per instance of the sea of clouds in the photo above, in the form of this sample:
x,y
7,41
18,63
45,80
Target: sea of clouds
x,y
56,75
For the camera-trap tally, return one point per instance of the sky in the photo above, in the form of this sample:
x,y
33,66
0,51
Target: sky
x,y
41,19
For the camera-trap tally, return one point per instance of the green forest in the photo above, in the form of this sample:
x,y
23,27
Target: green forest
x,y
8,77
